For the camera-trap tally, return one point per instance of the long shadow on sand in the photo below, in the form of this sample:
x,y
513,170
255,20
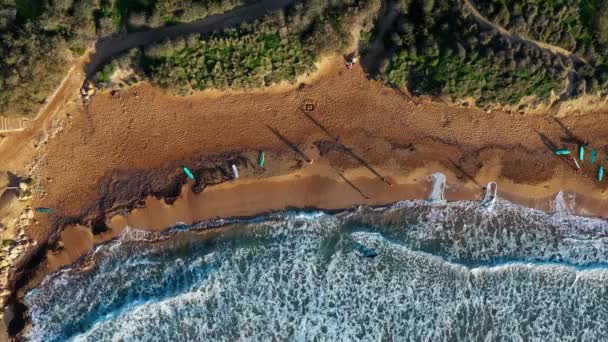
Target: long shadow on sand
x,y
571,137
344,148
289,144
552,146
353,186
466,174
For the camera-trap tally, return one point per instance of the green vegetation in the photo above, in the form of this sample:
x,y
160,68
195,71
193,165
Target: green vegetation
x,y
437,50
579,26
38,38
569,24
434,47
29,9
155,13
278,48
234,59
105,73
460,78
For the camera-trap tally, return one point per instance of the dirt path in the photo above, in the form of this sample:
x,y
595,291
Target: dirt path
x,y
109,47
106,48
377,51
16,147
70,84
553,48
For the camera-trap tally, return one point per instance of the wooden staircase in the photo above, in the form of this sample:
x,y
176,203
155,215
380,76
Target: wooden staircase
x,y
13,124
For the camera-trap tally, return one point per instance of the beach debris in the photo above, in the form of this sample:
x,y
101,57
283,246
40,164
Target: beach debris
x,y
44,210
189,173
490,197
262,159
87,90
235,172
581,153
600,173
350,62
309,106
578,166
562,152
593,156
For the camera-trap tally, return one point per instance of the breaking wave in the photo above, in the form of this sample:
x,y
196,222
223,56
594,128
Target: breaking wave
x,y
416,270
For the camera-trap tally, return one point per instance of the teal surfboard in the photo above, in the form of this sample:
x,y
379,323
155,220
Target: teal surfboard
x,y
189,173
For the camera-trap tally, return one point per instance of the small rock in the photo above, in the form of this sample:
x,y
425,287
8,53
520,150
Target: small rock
x,y
23,186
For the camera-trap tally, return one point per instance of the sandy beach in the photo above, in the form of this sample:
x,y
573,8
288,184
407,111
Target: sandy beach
x,y
118,161
316,186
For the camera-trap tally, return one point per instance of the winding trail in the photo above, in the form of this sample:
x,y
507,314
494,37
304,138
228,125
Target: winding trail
x,y
553,48
104,49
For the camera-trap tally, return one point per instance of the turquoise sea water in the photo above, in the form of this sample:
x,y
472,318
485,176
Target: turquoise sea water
x,y
414,271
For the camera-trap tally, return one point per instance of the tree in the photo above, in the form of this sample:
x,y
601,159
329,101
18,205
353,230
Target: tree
x,y
602,22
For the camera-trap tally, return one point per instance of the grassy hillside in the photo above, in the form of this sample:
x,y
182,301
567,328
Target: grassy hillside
x,y
579,26
439,47
39,37
277,48
434,47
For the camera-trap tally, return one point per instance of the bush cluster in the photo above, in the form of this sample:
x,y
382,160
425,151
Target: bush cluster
x,y
276,48
436,49
579,26
230,60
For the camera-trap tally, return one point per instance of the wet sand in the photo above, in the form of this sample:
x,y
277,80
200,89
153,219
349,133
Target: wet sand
x,y
316,186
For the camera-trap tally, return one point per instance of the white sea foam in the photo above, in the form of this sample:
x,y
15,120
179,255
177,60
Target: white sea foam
x,y
491,195
443,272
437,192
564,204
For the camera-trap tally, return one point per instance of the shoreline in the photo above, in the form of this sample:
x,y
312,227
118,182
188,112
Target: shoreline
x,y
313,187
78,242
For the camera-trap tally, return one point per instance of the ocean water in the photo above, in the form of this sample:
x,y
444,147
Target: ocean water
x,y
413,271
